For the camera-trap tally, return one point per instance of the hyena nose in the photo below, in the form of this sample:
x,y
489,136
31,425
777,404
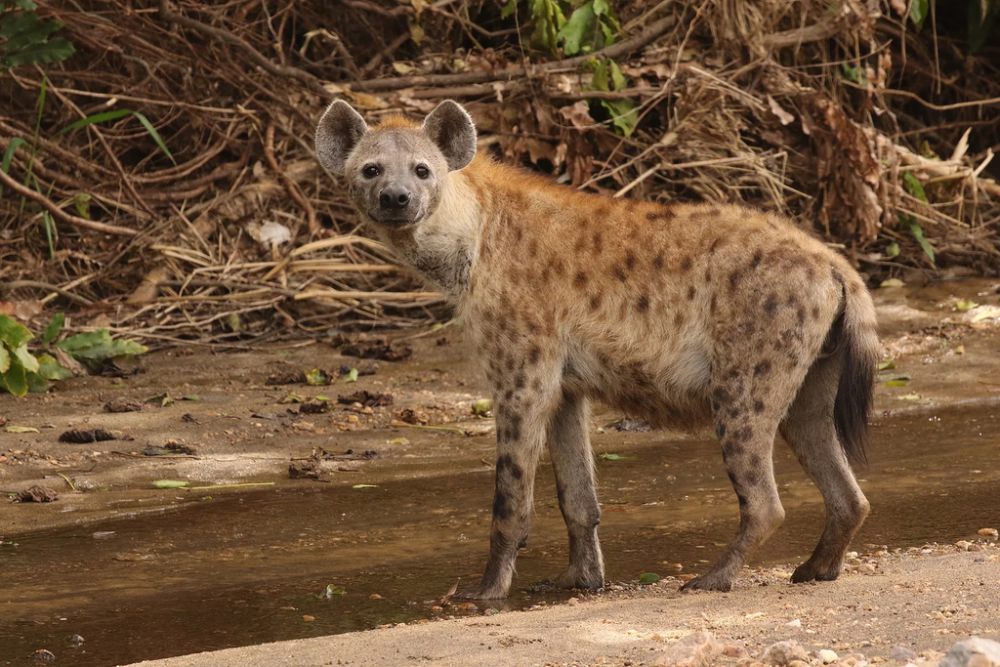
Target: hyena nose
x,y
393,198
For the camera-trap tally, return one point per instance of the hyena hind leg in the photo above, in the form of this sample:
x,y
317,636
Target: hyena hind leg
x,y
747,447
810,431
573,464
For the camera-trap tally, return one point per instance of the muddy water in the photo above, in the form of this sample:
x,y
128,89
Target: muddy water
x,y
249,568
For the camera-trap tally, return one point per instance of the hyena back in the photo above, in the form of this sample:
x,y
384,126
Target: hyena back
x,y
679,314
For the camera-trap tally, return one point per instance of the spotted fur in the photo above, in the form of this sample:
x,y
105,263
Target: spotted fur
x,y
680,313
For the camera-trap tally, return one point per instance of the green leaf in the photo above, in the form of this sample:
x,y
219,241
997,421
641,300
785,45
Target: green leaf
x,y
617,78
50,369
365,486
15,379
647,578
482,407
332,590
162,400
612,457
317,377
102,117
8,156
601,7
4,359
53,50
98,346
154,134
571,35
13,333
963,305
26,359
892,250
54,327
624,115
852,74
886,365
13,428
509,9
914,186
169,484
918,233
918,11
350,376
898,381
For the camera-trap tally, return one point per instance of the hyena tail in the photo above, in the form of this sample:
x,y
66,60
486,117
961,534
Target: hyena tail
x,y
857,341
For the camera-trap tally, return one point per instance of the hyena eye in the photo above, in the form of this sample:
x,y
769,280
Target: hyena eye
x,y
422,171
370,170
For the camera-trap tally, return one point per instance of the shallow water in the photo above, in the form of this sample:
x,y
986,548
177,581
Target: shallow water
x,y
243,569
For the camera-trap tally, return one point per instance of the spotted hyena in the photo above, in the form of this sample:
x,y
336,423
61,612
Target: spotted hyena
x,y
680,313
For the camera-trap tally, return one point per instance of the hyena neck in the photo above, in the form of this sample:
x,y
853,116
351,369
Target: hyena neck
x,y
444,246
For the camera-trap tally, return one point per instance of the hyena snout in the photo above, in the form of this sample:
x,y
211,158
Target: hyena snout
x,y
394,198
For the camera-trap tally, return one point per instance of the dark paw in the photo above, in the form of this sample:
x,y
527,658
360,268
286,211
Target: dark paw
x,y
809,572
709,582
573,578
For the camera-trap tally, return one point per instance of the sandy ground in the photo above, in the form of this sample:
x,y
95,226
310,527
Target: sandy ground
x,y
242,429
893,607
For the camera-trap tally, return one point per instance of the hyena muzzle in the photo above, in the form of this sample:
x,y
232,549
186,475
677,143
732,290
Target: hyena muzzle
x,y
679,313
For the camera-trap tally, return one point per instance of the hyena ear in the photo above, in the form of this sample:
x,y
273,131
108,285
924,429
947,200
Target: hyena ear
x,y
337,134
451,128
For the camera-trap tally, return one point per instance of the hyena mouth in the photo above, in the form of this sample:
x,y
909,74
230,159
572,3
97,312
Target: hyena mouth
x,y
398,221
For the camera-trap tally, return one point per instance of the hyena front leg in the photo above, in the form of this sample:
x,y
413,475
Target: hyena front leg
x,y
524,408
573,463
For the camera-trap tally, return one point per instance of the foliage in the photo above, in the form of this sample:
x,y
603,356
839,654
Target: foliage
x,y
26,39
22,371
116,114
607,76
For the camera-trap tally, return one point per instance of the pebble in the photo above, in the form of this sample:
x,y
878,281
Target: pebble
x,y
76,640
785,653
902,653
827,656
374,596
797,623
44,656
988,532
963,545
973,652
699,649
573,601
308,618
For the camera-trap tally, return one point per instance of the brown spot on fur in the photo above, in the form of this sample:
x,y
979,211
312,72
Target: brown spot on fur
x,y
715,246
619,273
642,305
630,260
598,242
678,319
658,261
686,264
691,292
734,278
580,280
534,354
771,304
758,406
558,267
758,257
713,304
595,301
761,369
815,312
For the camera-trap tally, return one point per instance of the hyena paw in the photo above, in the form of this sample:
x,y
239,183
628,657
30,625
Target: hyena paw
x,y
710,581
574,577
810,571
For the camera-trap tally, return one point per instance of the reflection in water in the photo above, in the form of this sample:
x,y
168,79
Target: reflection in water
x,y
248,569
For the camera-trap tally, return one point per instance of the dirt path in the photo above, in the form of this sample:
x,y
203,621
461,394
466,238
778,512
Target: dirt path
x,y
241,429
909,604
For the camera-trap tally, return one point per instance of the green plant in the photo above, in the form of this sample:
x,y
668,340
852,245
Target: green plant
x,y
607,76
592,24
22,371
913,185
116,114
26,39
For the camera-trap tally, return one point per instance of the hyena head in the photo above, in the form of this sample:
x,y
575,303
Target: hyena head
x,y
395,170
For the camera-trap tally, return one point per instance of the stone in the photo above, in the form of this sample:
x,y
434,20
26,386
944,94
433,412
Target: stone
x,y
989,532
827,656
972,652
902,653
784,652
698,649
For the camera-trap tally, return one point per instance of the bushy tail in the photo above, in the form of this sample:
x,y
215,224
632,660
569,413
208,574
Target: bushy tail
x,y
860,351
